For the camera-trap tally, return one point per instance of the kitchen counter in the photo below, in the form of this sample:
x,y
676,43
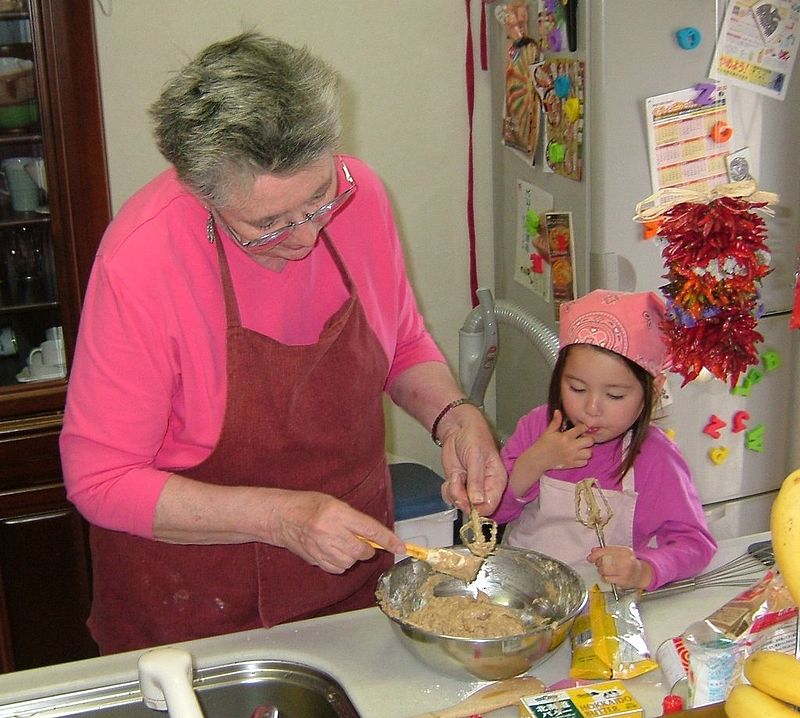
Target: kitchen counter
x,y
363,653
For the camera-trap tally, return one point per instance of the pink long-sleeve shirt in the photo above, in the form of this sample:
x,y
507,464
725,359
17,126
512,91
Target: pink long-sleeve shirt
x,y
147,385
669,527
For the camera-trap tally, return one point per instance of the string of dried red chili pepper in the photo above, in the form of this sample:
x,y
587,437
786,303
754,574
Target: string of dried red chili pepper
x,y
715,256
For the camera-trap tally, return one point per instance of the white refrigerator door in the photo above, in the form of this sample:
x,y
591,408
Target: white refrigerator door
x,y
740,517
632,54
750,455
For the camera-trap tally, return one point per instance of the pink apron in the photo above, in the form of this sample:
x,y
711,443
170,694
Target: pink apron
x,y
549,526
304,417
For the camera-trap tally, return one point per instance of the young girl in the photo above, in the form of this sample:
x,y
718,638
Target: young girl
x,y
596,424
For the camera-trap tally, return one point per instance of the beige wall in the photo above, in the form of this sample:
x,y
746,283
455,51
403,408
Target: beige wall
x,y
405,113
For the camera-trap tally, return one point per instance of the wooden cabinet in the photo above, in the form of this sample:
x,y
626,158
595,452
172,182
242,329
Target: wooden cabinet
x,y
54,206
44,564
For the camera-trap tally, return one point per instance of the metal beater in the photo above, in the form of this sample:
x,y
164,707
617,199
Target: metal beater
x,y
473,534
594,517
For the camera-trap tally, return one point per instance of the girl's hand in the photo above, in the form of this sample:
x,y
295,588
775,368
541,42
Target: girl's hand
x,y
554,449
619,565
568,449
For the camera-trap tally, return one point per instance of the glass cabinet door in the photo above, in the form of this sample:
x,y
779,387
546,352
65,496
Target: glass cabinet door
x,y
54,208
32,348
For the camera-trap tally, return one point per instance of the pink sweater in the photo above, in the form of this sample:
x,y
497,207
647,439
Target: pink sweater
x,y
147,385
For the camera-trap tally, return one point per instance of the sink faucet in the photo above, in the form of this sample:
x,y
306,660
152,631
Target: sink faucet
x,y
165,677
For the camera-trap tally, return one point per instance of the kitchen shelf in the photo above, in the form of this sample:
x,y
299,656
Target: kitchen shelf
x,y
22,219
28,307
11,138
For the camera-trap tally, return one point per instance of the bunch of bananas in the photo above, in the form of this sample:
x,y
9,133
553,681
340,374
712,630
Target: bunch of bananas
x,y
774,690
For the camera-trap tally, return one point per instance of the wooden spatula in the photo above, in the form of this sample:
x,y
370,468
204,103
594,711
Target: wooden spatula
x,y
441,560
489,698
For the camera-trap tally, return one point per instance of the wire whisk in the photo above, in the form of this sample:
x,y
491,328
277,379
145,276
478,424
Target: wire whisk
x,y
743,570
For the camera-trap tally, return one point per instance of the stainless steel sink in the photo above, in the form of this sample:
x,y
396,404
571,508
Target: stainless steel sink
x,y
231,690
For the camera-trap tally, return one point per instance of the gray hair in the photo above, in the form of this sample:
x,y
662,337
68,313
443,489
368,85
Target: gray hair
x,y
246,106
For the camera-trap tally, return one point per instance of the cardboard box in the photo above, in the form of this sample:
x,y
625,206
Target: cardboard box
x,y
609,699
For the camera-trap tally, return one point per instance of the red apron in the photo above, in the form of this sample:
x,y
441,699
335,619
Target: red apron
x,y
304,417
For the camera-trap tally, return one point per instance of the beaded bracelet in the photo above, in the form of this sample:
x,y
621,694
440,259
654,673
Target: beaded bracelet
x,y
452,405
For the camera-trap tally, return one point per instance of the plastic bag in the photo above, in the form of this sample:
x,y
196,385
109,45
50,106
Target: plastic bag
x,y
608,639
712,662
763,616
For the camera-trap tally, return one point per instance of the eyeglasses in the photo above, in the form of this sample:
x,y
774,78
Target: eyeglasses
x,y
318,216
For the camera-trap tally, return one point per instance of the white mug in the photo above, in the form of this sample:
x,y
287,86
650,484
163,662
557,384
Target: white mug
x,y
49,354
39,370
55,333
19,184
8,342
35,168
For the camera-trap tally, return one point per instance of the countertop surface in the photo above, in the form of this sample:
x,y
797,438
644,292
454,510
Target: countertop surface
x,y
362,652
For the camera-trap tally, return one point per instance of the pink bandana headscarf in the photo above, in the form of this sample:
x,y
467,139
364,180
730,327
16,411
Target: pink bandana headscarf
x,y
628,323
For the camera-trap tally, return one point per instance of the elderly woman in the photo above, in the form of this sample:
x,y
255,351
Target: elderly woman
x,y
248,308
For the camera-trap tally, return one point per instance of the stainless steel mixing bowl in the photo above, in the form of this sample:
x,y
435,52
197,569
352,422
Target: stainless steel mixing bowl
x,y
548,593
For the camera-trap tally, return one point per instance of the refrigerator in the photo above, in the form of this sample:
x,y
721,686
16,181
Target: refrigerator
x,y
739,447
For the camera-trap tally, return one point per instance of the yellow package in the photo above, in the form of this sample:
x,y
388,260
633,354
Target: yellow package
x,y
586,660
610,700
608,639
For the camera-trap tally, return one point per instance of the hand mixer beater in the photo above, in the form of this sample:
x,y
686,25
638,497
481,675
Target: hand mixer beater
x,y
589,513
473,533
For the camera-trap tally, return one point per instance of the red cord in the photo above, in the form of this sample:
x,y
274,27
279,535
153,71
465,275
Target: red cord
x,y
484,43
470,77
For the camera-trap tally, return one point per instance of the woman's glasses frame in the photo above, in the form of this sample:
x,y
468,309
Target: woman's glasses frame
x,y
318,216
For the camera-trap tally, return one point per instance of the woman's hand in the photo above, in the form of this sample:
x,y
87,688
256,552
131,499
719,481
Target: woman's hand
x,y
323,530
619,565
318,528
470,457
474,471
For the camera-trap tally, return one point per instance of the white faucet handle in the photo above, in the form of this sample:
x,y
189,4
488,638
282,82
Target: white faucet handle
x,y
165,677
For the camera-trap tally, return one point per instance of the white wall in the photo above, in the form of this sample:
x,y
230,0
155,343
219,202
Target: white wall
x,y
405,113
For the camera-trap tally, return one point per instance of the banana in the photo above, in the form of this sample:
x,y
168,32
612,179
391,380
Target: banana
x,y
785,528
745,701
776,674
